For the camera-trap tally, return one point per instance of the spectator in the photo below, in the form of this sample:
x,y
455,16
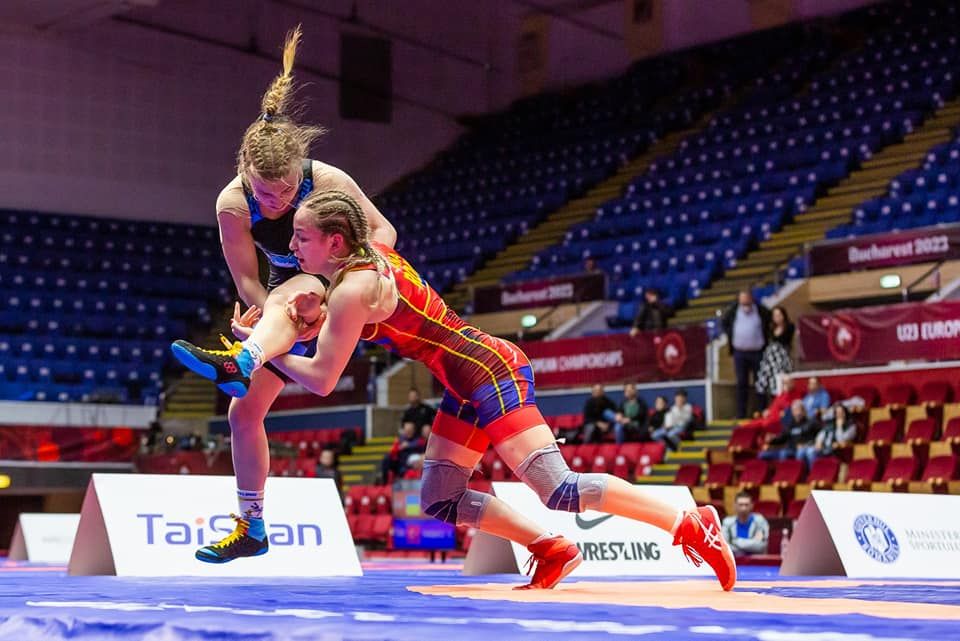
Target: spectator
x,y
747,533
746,325
840,431
630,418
677,420
417,412
328,468
769,420
817,399
590,266
657,415
653,313
776,358
593,414
798,430
414,467
408,442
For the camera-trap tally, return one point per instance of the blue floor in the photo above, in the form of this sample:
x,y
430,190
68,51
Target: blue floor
x,y
43,603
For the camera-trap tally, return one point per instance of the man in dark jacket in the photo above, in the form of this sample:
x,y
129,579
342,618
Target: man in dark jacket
x,y
594,414
653,313
417,412
798,430
747,326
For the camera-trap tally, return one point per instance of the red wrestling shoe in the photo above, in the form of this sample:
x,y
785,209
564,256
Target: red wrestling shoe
x,y
699,534
551,560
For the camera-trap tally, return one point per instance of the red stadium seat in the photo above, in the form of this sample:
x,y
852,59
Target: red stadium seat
x,y
364,527
568,452
882,432
486,462
601,464
743,439
899,394
587,451
794,509
768,509
622,466
862,472
868,393
306,467
900,471
719,475
921,431
824,472
380,529
688,474
607,451
787,473
652,452
951,433
381,500
631,452
498,471
940,469
935,393
755,473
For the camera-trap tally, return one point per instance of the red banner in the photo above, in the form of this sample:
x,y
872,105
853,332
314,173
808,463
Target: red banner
x,y
351,389
911,331
923,245
540,293
650,356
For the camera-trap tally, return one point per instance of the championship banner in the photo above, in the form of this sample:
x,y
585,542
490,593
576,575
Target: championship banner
x,y
151,525
351,389
909,331
923,245
650,356
876,535
43,538
611,545
539,293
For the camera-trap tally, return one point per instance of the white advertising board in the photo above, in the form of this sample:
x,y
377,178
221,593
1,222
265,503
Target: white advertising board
x,y
44,538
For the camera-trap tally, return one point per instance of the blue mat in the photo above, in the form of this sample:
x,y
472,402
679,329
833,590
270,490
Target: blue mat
x,y
44,603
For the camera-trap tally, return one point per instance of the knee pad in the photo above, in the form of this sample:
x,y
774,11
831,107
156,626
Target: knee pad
x,y
560,488
444,494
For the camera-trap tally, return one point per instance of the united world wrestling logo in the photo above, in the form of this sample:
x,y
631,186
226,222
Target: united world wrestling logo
x,y
671,353
843,336
876,538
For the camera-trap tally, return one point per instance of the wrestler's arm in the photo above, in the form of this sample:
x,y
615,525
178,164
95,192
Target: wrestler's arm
x,y
348,310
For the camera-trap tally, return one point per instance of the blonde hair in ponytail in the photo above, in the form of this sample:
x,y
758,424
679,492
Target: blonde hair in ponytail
x,y
334,212
274,142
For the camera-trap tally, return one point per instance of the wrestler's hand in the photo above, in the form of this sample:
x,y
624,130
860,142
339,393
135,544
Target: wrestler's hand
x,y
308,311
242,324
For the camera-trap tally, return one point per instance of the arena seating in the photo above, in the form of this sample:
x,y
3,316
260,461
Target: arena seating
x,y
67,444
88,306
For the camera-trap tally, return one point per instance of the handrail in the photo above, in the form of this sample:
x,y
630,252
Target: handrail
x,y
905,292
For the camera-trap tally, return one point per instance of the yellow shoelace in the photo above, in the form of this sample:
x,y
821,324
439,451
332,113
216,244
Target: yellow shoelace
x,y
242,526
233,348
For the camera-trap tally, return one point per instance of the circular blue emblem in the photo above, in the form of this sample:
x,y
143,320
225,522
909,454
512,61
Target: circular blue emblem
x,y
876,538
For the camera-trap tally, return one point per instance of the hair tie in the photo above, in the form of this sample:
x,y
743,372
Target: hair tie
x,y
267,117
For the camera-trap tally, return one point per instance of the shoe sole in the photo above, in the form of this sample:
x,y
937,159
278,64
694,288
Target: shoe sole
x,y
219,560
568,567
728,555
207,371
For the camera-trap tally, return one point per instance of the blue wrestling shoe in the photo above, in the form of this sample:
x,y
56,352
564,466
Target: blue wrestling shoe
x,y
228,368
249,538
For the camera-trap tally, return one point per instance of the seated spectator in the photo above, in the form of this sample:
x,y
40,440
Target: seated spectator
x,y
327,465
593,414
657,416
817,399
653,314
414,467
798,429
630,418
677,420
590,266
769,420
840,431
417,412
746,533
408,442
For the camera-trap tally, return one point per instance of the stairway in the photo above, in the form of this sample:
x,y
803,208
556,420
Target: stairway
x,y
363,464
761,266
194,397
714,437
552,229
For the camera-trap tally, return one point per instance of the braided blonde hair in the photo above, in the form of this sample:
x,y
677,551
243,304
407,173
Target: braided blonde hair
x,y
334,212
274,141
